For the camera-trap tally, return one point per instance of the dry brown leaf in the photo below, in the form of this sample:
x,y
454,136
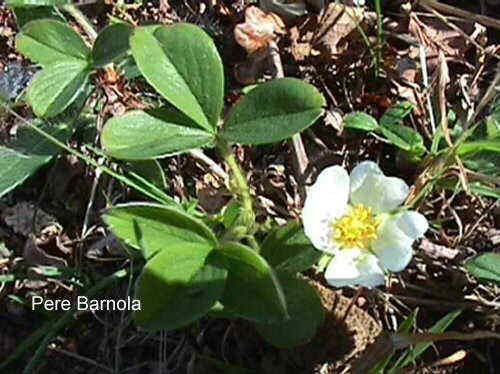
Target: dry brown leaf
x,y
20,219
210,198
324,33
34,255
436,36
258,29
338,22
255,35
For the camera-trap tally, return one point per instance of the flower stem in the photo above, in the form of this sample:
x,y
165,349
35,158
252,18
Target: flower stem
x,y
238,184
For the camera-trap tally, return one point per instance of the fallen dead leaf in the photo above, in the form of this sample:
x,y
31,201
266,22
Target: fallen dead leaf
x,y
258,29
325,33
20,219
436,36
34,255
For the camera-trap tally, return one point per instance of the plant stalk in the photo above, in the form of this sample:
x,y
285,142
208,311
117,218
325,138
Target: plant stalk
x,y
238,184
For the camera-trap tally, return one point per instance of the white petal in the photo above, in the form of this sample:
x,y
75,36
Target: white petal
x,y
351,267
413,224
370,187
327,199
359,173
396,235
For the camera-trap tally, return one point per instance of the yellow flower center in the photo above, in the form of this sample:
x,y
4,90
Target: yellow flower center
x,y
356,229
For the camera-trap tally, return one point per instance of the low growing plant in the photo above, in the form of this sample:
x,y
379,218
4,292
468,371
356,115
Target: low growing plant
x,y
194,267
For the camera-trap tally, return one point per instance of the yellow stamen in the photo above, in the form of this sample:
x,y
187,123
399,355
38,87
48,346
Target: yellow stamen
x,y
357,229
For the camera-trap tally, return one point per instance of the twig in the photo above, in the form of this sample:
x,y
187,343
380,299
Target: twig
x,y
301,158
444,79
93,191
458,29
81,358
82,21
380,37
485,20
484,177
274,53
438,304
485,100
214,167
425,79
402,340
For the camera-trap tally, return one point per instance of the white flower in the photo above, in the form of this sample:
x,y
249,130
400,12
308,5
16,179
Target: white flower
x,y
351,218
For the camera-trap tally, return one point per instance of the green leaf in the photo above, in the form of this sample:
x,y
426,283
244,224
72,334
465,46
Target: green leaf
x,y
409,322
395,114
288,249
31,3
30,151
7,278
475,187
111,44
493,126
54,88
306,315
139,135
485,162
404,137
48,41
153,228
129,68
439,327
493,121
150,170
492,145
405,327
284,9
32,13
484,190
274,111
391,125
360,121
232,212
178,287
195,57
252,290
485,266
182,64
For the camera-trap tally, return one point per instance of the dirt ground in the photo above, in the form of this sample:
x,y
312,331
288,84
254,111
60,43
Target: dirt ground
x,y
329,50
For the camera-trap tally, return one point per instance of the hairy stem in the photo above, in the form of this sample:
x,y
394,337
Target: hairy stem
x,y
238,184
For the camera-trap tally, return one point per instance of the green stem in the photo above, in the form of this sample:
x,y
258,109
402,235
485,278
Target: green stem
x,y
162,199
238,183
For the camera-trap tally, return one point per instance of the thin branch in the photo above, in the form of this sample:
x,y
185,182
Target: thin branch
x,y
82,21
301,158
214,167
